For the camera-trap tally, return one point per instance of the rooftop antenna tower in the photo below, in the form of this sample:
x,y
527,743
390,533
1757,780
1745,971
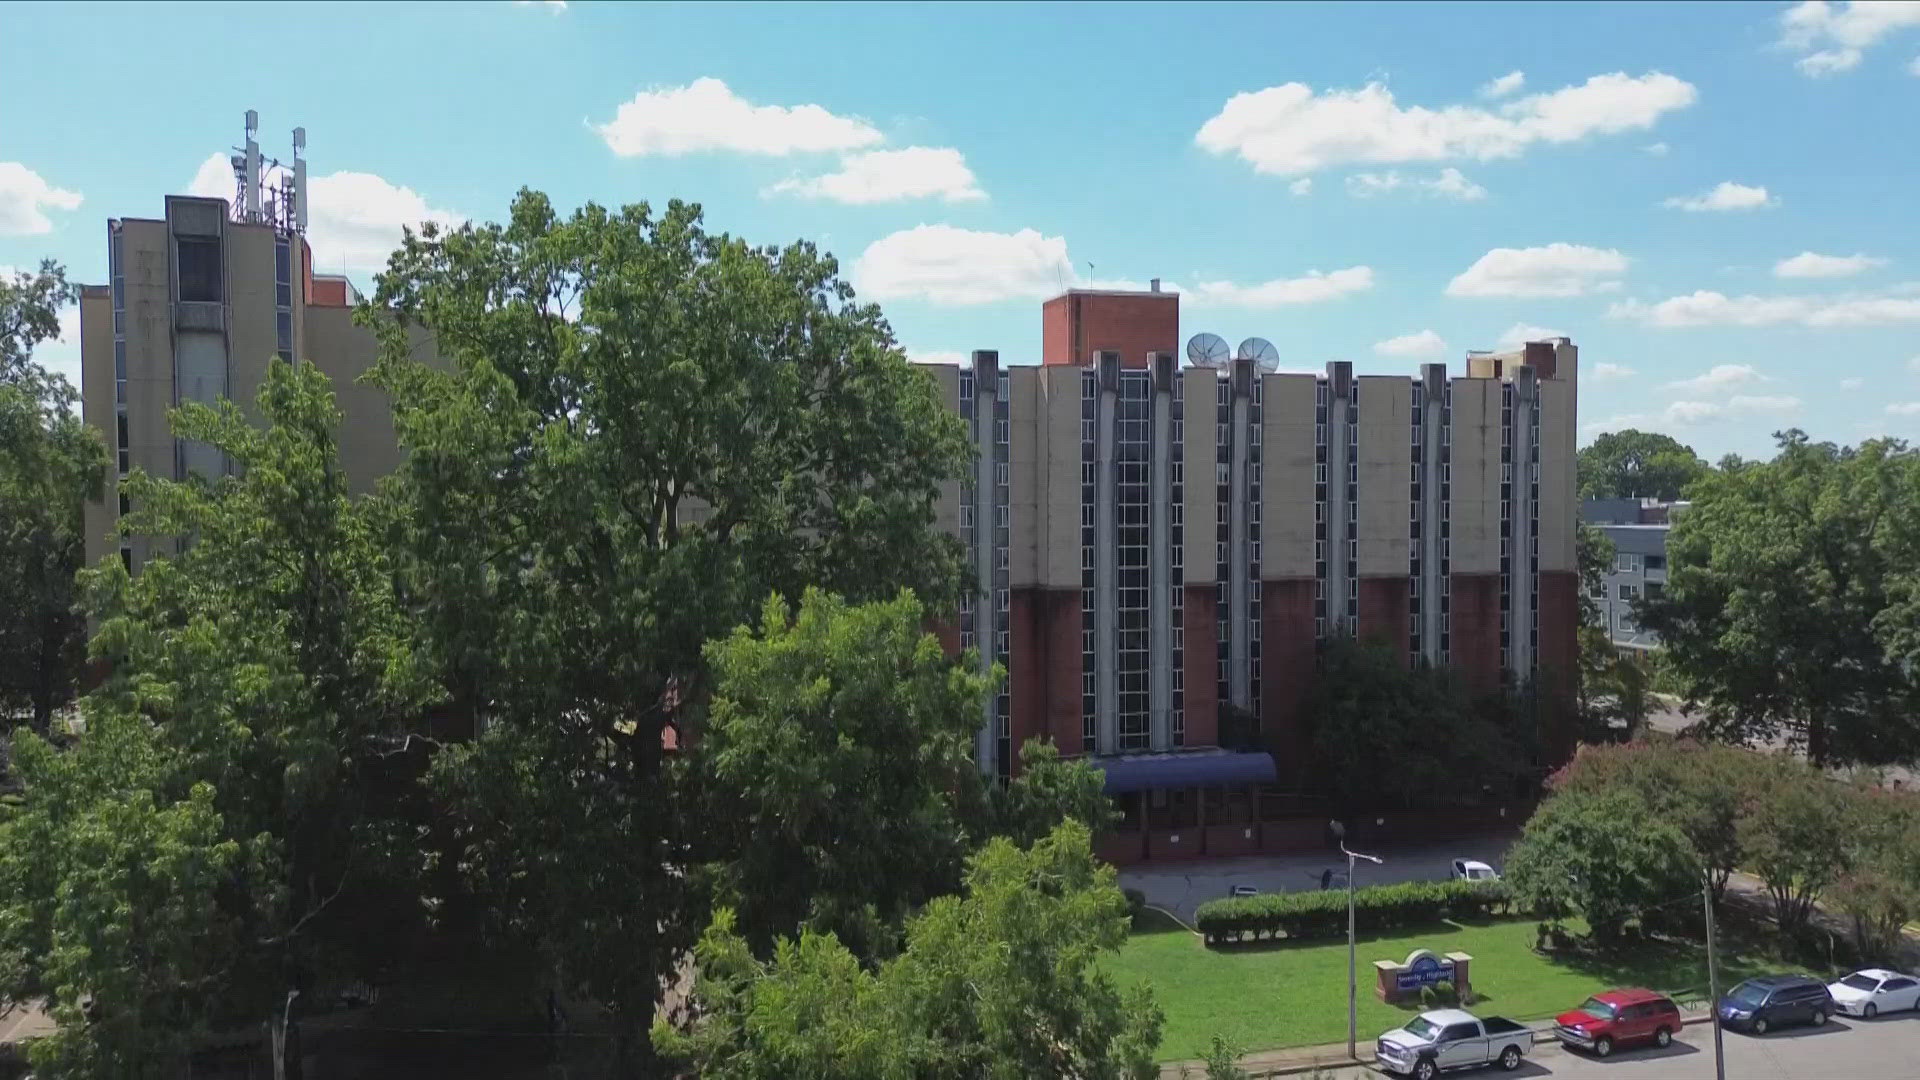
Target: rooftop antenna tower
x,y
250,193
299,180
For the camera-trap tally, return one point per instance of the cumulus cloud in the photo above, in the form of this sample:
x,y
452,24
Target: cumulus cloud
x,y
1504,85
1610,372
1291,129
1554,270
706,116
1658,149
1707,308
1904,408
1449,184
944,264
554,6
914,172
1809,265
1520,333
1302,186
354,218
1426,343
1719,379
1852,384
1695,412
1834,37
25,198
1725,195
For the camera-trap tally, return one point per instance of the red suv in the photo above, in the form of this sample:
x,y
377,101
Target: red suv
x,y
1619,1018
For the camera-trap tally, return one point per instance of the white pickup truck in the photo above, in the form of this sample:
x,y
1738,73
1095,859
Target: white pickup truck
x,y
1448,1039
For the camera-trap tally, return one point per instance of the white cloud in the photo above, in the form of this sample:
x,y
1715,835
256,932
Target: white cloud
x,y
706,115
1302,186
915,172
1904,408
1720,379
1852,384
1809,265
554,6
949,265
1504,85
354,218
1707,308
1290,129
1914,68
1913,365
1610,372
1520,333
1309,289
1658,149
25,199
936,356
1834,37
1725,195
1695,412
1449,184
1553,270
1424,343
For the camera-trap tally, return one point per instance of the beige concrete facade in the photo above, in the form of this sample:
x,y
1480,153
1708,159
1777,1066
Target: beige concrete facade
x,y
1475,476
1386,474
1060,550
1287,457
1558,503
1199,407
1026,455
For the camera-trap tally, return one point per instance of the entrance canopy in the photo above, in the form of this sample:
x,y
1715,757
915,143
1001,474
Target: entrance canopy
x,y
1184,769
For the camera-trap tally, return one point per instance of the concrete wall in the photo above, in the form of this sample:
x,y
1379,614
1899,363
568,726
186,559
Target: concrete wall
x,y
1027,447
1558,507
1475,514
1386,476
1286,490
251,322
344,351
1060,556
1199,400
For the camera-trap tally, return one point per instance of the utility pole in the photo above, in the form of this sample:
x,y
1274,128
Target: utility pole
x,y
1713,987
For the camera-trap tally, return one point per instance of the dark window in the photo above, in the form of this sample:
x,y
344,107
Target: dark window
x,y
120,423
126,506
126,559
286,332
1656,562
200,277
1459,1031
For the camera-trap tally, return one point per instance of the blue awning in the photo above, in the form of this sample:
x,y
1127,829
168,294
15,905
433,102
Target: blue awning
x,y
1183,769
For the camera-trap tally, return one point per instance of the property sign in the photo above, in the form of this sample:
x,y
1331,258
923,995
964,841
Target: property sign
x,y
1423,969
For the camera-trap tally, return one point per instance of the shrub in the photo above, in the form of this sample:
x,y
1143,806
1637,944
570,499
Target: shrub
x,y
1323,914
1444,994
1136,904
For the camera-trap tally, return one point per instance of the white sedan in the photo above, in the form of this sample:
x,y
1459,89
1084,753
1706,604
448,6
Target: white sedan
x,y
1872,991
1473,870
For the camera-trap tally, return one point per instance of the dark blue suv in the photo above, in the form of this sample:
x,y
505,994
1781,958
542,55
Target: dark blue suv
x,y
1771,1001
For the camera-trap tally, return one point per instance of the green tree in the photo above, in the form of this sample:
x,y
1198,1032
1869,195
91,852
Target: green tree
x,y
642,431
1048,790
1880,889
1700,788
1776,616
1002,981
51,464
837,737
218,816
1604,857
1792,830
1634,464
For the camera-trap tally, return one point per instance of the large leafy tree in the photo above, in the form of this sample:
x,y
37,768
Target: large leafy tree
x,y
51,463
1002,981
640,431
1606,857
838,738
204,850
1792,832
1637,464
1780,616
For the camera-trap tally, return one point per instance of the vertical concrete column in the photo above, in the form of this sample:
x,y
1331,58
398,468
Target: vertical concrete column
x,y
1239,552
1160,557
986,615
1106,556
1526,403
1340,613
1433,382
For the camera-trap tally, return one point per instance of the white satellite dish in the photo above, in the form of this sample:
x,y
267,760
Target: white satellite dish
x,y
1207,350
1261,352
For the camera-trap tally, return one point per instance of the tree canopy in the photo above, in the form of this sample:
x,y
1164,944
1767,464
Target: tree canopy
x,y
1634,464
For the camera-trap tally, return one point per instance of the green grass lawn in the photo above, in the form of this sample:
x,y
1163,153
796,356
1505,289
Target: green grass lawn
x,y
1295,995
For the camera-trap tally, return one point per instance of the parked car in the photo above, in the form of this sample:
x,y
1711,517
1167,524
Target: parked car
x,y
1872,991
1242,890
1619,1018
1473,870
1759,1005
1448,1039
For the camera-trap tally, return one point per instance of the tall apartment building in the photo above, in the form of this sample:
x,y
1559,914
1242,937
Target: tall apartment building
x,y
1154,540
200,300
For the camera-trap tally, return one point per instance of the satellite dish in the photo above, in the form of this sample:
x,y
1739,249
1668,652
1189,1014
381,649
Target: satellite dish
x,y
1261,352
1207,350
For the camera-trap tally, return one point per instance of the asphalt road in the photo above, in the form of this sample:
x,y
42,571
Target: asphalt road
x,y
1883,1049
1183,886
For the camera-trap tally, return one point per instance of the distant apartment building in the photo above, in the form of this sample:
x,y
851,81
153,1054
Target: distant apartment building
x,y
1154,540
199,301
1638,529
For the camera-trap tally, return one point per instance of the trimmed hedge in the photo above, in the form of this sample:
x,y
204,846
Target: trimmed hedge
x,y
1323,914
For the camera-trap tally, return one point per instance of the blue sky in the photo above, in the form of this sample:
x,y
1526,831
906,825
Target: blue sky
x,y
1716,202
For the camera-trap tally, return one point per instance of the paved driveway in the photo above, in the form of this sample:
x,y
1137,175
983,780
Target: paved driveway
x,y
1180,887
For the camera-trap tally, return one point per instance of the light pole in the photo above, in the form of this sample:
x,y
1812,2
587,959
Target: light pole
x,y
1713,987
1353,1020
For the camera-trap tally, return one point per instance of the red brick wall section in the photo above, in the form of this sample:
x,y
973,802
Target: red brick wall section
x,y
1026,669
1060,621
1383,613
1559,656
1474,636
1075,326
1287,653
1200,695
947,631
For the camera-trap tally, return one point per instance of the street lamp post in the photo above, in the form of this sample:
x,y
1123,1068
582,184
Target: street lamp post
x,y
1353,1019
